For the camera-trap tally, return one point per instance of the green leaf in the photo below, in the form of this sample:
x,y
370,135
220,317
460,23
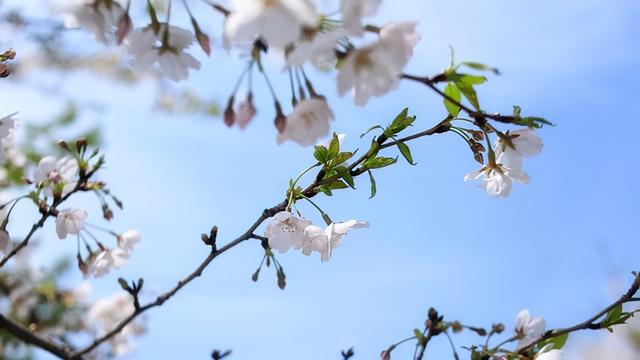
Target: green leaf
x,y
325,190
404,150
320,153
334,147
344,173
532,122
452,91
342,157
337,185
469,92
378,162
401,122
470,79
480,67
557,341
371,129
373,184
418,335
614,314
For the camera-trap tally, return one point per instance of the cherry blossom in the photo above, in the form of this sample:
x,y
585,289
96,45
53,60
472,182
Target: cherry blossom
x,y
107,259
148,48
353,11
523,142
308,122
70,221
498,178
374,70
549,353
279,22
98,17
56,176
325,241
107,313
286,230
319,49
528,329
128,239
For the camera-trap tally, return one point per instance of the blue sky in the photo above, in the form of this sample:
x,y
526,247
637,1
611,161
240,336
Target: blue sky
x,y
560,246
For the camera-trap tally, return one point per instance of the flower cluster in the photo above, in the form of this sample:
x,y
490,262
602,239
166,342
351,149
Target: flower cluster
x,y
285,231
510,149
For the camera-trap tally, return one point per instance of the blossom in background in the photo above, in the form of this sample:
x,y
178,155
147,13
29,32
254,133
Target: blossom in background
x,y
353,11
279,22
107,259
98,17
285,230
325,241
549,353
149,48
56,175
374,70
319,49
70,221
528,329
308,122
106,313
128,239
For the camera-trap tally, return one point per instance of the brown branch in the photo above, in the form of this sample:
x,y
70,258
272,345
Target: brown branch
x,y
591,323
169,294
477,115
34,339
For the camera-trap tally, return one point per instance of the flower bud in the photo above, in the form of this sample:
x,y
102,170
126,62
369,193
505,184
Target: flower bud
x,y
124,27
280,121
229,114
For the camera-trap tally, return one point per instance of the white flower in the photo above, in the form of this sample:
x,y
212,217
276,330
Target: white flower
x,y
286,230
528,329
128,239
325,241
353,11
97,17
147,49
107,313
279,22
308,122
70,221
319,49
549,353
498,180
402,36
525,143
107,259
7,124
374,70
56,175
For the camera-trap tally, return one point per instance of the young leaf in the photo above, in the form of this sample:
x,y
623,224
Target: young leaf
x,y
480,67
373,184
337,185
334,147
452,91
404,150
379,162
344,173
370,129
401,122
469,92
320,153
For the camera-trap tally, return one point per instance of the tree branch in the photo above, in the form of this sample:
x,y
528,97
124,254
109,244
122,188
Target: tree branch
x,y
34,339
